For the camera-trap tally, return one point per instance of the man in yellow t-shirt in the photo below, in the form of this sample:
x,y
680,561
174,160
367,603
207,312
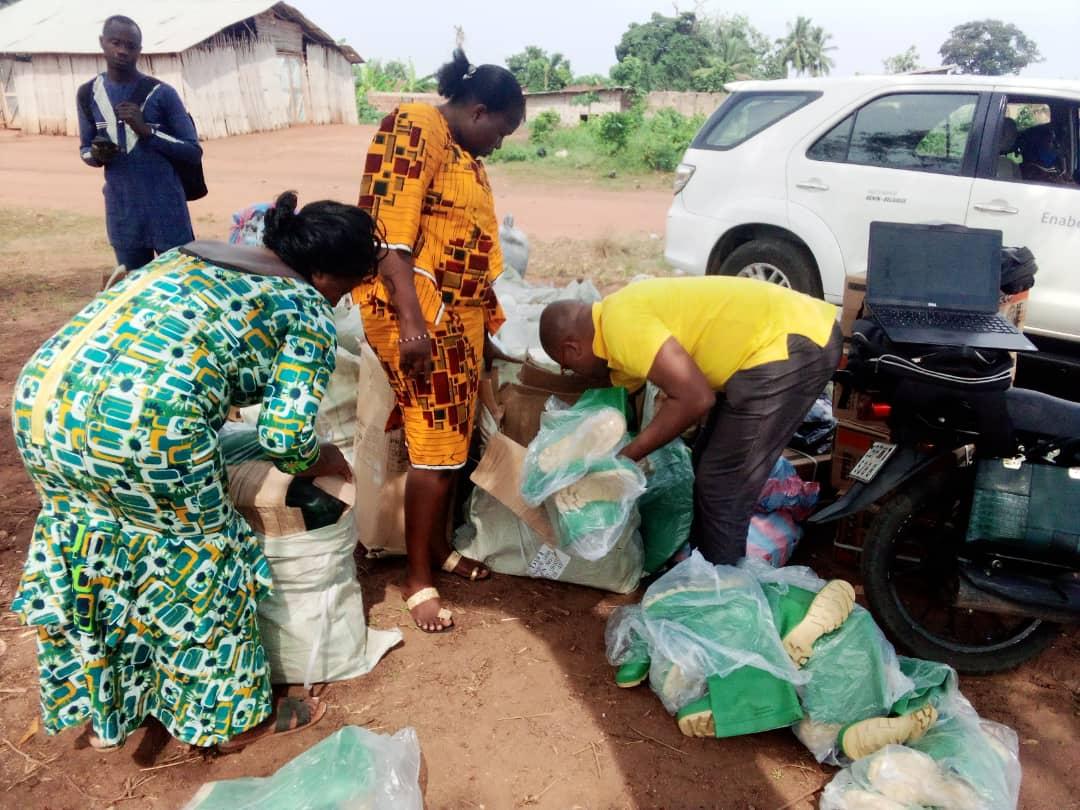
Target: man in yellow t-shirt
x,y
749,355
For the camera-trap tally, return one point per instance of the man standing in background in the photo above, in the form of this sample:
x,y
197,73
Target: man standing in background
x,y
137,128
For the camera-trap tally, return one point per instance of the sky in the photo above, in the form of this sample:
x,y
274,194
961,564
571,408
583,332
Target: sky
x,y
586,31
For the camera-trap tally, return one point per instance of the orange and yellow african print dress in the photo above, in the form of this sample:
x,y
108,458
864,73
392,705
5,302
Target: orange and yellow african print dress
x,y
432,199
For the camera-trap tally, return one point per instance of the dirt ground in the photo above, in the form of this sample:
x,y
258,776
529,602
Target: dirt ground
x,y
516,707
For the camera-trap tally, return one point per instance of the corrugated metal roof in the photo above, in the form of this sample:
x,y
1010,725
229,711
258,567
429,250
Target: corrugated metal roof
x,y
168,26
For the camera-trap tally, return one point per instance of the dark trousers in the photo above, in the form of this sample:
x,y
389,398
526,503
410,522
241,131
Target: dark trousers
x,y
134,258
753,419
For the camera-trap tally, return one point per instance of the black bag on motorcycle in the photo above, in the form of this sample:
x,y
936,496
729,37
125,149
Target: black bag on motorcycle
x,y
954,385
1035,504
875,361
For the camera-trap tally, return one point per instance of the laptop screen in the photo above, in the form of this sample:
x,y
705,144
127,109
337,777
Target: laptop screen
x,y
942,266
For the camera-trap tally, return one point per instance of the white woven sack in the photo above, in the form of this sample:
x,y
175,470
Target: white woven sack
x,y
313,626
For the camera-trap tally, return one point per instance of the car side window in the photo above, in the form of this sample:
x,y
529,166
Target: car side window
x,y
915,131
1037,142
743,115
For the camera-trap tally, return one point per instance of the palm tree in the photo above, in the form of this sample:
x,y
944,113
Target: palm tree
x,y
823,63
733,53
805,48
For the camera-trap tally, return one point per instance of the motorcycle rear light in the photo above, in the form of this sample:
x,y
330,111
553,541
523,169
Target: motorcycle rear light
x,y
871,411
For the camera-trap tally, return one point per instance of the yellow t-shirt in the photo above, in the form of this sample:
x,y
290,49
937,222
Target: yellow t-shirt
x,y
726,324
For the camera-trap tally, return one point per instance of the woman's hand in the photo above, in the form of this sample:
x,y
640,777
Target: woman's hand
x,y
415,354
331,461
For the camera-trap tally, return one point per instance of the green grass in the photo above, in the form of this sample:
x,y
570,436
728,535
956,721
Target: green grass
x,y
624,147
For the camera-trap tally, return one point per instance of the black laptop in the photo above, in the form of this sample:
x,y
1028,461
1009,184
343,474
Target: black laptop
x,y
939,284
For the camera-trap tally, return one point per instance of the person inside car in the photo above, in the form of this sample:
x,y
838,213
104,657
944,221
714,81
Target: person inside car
x,y
1042,161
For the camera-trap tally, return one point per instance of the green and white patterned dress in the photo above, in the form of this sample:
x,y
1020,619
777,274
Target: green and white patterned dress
x,y
142,579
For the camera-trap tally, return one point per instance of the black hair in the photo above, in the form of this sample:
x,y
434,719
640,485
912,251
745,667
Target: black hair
x,y
491,85
120,19
325,236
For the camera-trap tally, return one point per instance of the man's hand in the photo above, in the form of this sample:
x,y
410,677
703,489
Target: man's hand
x,y
103,151
689,397
132,115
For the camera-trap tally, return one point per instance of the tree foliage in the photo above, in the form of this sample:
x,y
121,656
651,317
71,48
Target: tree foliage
x,y
688,52
989,48
538,71
805,49
661,54
902,62
392,76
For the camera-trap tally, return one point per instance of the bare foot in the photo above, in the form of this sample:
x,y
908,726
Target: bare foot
x,y
88,739
426,608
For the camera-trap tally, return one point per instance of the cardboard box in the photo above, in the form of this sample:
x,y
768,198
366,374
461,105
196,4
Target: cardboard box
x,y
566,387
852,305
522,407
499,474
1013,308
380,463
853,439
847,402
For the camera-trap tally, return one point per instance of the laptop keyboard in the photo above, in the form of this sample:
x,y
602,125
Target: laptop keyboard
x,y
943,319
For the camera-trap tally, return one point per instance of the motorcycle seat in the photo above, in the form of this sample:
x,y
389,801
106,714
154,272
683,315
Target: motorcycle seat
x,y
1035,412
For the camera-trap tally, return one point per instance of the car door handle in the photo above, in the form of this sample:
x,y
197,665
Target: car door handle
x,y
813,184
996,207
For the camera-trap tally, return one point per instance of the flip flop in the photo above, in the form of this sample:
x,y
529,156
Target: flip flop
x,y
426,595
305,711
453,559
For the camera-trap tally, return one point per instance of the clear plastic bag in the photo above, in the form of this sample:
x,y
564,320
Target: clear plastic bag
x,y
667,507
593,512
962,763
515,246
701,620
569,444
352,769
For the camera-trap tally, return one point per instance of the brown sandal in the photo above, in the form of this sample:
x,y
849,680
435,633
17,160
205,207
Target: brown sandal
x,y
293,714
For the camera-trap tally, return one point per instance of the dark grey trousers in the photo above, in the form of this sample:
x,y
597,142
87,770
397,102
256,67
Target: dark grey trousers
x,y
754,417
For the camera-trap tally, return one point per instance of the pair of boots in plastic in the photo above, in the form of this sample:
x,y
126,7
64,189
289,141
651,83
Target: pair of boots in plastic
x,y
750,700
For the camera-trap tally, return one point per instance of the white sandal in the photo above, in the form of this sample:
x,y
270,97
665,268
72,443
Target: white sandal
x,y
426,595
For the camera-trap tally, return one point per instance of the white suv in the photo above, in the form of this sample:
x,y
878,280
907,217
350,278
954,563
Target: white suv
x,y
784,179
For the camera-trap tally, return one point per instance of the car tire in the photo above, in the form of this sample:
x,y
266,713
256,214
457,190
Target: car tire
x,y
774,260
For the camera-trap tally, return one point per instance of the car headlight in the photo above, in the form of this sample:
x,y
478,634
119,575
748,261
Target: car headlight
x,y
682,176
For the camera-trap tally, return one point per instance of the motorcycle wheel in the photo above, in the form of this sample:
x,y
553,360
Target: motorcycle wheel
x,y
910,572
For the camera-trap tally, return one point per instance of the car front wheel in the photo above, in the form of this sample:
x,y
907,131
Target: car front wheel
x,y
775,261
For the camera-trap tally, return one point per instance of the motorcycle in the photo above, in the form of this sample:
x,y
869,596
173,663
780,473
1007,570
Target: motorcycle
x,y
972,552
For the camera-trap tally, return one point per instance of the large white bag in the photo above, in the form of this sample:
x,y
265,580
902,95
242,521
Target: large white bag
x,y
507,545
313,626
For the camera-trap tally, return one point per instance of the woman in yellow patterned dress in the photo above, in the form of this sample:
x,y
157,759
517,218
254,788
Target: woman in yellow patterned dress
x,y
141,577
428,313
